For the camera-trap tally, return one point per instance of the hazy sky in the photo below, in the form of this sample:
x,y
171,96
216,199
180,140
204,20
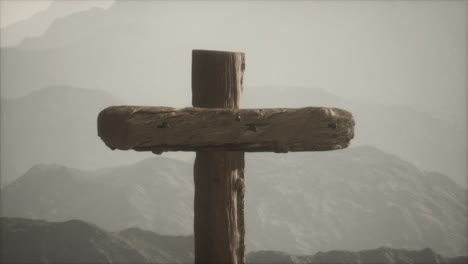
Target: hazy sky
x,y
412,53
12,11
398,52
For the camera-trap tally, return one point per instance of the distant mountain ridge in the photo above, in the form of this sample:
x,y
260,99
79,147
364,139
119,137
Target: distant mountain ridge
x,y
65,118
37,24
394,129
160,248
381,255
299,202
74,241
38,241
35,241
116,199
56,124
141,70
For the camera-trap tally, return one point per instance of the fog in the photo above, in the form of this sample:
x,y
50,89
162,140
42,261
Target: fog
x,y
399,53
399,66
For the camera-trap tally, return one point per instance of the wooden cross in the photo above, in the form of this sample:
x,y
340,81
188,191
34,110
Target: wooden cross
x,y
220,133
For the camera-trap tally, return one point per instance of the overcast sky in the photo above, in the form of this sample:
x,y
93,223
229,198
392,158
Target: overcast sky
x,y
402,52
408,53
12,11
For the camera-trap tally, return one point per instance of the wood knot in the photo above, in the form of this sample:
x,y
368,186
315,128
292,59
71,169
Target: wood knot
x,y
332,125
164,125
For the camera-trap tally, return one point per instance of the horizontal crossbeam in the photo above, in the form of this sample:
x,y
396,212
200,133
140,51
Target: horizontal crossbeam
x,y
161,129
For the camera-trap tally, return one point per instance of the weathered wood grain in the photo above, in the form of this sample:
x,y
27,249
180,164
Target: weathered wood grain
x,y
160,129
220,135
218,176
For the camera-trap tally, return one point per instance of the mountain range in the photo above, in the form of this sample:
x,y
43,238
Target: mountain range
x,y
402,184
63,129
396,129
37,24
74,241
145,59
300,203
56,124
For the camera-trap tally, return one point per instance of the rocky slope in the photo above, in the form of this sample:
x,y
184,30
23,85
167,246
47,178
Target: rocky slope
x,y
300,203
38,241
381,255
160,248
151,65
155,194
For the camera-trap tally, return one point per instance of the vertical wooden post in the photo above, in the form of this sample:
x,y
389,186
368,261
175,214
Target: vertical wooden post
x,y
217,80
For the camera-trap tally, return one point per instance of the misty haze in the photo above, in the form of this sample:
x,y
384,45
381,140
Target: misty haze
x,y
397,194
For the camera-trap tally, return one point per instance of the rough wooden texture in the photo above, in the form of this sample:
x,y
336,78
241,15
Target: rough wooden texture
x,y
219,176
220,135
197,129
219,207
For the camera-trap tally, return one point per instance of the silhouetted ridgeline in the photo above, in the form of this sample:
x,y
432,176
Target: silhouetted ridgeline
x,y
74,241
381,255
56,124
300,203
151,61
